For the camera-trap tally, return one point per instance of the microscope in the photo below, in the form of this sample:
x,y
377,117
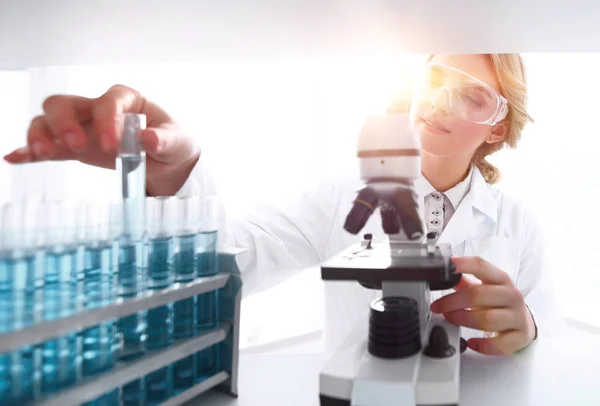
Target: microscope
x,y
400,354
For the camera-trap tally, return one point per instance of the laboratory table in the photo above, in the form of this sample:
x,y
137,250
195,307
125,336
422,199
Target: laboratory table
x,y
550,372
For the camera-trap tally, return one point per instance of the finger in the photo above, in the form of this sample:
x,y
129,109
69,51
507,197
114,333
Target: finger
x,y
483,296
64,115
481,269
40,140
168,145
19,156
26,155
107,112
499,319
504,343
466,281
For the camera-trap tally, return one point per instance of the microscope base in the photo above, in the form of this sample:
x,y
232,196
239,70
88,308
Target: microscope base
x,y
354,377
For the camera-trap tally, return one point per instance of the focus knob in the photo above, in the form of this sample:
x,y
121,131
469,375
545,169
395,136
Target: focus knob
x,y
438,346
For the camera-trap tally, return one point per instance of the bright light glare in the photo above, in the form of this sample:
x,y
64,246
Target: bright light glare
x,y
370,84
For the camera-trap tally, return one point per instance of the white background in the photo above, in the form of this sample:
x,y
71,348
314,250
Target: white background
x,y
272,126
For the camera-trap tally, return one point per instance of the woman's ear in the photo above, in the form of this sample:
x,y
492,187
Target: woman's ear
x,y
498,133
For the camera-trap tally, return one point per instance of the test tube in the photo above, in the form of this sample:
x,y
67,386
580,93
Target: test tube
x,y
131,169
207,265
60,356
19,288
100,343
161,251
6,301
185,317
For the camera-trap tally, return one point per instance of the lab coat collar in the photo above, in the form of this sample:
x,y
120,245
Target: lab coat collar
x,y
456,194
483,200
463,225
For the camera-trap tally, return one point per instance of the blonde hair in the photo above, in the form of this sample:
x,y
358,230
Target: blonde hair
x,y
510,73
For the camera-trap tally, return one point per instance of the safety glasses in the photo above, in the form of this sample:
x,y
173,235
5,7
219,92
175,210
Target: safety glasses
x,y
463,95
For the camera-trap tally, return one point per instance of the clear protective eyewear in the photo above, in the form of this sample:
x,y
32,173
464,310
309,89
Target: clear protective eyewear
x,y
465,95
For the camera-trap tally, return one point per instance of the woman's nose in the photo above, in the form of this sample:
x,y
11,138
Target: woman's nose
x,y
440,100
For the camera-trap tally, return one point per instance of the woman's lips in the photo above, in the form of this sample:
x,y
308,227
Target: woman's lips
x,y
434,126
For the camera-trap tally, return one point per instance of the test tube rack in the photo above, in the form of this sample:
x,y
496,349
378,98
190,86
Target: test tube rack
x,y
225,336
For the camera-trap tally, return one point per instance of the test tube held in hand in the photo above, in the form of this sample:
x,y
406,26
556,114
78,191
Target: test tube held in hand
x,y
131,170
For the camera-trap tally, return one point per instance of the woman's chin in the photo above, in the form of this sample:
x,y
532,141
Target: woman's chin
x,y
435,147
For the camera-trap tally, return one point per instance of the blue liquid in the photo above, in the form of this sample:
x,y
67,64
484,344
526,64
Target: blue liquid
x,y
184,370
18,282
206,363
159,385
185,272
160,276
207,360
134,393
100,344
60,357
207,254
130,284
108,399
207,303
132,265
5,387
184,374
207,263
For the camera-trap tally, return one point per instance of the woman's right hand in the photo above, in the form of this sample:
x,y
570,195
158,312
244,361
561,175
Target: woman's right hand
x,y
87,130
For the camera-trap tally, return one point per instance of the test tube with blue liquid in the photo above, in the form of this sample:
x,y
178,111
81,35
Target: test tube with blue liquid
x,y
20,286
207,265
185,318
131,168
161,252
100,343
60,356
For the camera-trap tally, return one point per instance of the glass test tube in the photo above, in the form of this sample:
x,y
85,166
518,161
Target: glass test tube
x,y
131,169
61,356
185,318
207,265
161,251
20,283
100,343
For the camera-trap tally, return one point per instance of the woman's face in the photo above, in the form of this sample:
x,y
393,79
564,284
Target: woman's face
x,y
445,134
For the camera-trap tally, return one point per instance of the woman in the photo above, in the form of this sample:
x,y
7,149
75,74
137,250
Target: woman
x,y
468,107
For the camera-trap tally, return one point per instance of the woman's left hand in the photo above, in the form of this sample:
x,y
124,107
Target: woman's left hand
x,y
492,304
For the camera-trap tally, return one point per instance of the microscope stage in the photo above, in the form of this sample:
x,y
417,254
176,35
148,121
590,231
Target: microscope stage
x,y
395,261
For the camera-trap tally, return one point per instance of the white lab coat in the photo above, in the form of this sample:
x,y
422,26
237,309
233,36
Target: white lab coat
x,y
281,241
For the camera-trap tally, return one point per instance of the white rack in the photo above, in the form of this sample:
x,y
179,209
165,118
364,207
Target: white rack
x,y
227,282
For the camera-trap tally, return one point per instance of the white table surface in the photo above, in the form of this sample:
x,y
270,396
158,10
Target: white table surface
x,y
557,372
